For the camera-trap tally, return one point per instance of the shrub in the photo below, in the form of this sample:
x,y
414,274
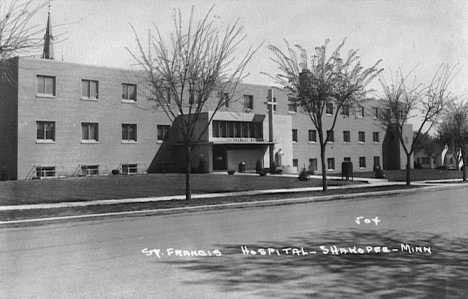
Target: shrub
x,y
273,168
259,166
231,171
304,175
263,172
379,173
115,171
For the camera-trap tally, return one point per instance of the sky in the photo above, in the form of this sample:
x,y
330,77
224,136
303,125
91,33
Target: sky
x,y
404,34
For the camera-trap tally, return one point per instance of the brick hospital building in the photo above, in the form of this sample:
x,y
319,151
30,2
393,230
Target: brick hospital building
x,y
63,119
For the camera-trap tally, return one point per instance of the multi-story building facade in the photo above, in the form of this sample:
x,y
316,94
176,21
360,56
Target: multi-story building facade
x,y
64,119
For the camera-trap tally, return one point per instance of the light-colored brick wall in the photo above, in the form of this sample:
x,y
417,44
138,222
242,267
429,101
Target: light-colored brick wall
x,y
68,110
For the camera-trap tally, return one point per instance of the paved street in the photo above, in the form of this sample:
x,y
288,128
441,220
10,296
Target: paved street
x,y
118,258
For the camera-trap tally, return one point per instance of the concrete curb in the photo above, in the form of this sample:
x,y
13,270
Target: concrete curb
x,y
266,203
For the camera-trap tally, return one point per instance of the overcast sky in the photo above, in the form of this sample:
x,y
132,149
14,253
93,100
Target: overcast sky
x,y
401,33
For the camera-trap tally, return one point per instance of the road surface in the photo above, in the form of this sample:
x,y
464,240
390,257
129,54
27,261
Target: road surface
x,y
143,257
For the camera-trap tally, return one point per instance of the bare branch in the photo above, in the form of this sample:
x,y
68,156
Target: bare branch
x,y
195,72
327,79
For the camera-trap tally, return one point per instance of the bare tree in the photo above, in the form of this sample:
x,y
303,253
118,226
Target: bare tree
x,y
17,35
453,129
326,81
187,74
403,100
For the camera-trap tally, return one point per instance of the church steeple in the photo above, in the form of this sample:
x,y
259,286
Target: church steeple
x,y
48,52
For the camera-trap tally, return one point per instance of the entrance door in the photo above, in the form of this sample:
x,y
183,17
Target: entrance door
x,y
219,158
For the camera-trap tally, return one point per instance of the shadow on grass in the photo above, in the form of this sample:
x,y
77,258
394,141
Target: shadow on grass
x,y
441,274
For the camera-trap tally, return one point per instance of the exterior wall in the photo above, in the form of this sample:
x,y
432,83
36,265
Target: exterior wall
x,y
69,110
248,156
23,107
9,121
303,149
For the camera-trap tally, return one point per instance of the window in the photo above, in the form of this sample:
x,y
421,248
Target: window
x,y
129,92
329,109
360,112
292,105
312,135
347,159
376,162
129,168
46,85
163,132
362,162
248,102
129,132
224,99
388,113
376,112
294,135
375,137
87,170
331,136
313,166
345,110
45,130
401,116
45,171
242,129
89,132
346,136
295,162
274,105
89,89
331,164
362,136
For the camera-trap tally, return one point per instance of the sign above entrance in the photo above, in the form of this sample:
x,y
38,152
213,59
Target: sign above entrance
x,y
247,140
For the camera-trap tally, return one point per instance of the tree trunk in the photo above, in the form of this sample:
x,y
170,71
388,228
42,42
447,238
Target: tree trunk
x,y
463,157
324,169
408,170
188,166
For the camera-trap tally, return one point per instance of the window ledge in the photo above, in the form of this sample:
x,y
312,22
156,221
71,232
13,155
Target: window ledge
x,y
359,116
89,99
376,142
292,112
129,142
45,141
329,115
346,142
89,141
312,142
45,96
362,142
129,101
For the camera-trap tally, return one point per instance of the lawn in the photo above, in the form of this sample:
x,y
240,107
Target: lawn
x,y
136,186
416,174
